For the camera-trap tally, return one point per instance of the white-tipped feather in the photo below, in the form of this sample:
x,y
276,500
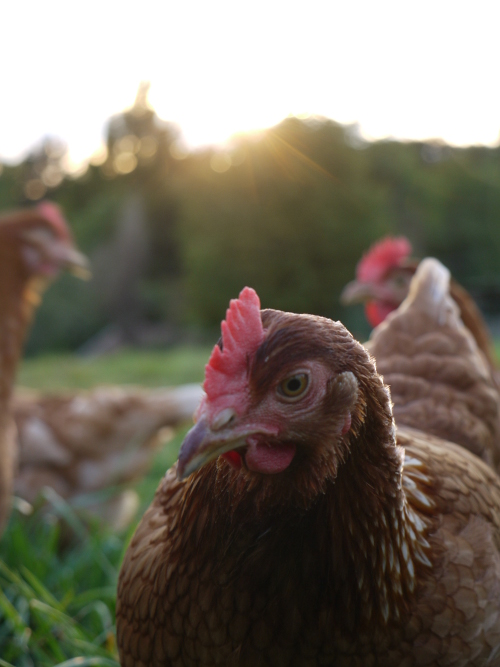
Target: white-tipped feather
x,y
430,291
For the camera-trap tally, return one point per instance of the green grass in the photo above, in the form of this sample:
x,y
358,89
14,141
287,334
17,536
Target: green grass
x,y
58,574
149,368
58,581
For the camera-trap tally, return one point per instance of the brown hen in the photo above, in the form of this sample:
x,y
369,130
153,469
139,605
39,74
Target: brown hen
x,y
84,442
299,529
439,380
383,278
34,245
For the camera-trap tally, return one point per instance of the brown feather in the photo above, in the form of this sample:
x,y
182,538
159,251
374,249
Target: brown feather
x,y
474,321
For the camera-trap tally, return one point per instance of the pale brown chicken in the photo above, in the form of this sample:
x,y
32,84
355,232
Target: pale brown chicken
x,y
300,529
34,245
439,380
79,443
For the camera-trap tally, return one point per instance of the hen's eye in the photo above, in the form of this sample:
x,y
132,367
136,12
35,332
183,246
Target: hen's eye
x,y
294,386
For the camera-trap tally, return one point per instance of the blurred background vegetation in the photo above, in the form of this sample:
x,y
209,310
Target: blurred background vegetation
x,y
174,234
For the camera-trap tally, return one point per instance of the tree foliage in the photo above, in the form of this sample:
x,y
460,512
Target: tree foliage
x,y
289,211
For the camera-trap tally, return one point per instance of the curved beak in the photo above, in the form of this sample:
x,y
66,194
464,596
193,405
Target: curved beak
x,y
356,292
203,444
71,259
52,255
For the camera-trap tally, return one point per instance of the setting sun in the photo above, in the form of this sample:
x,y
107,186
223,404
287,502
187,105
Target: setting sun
x,y
408,71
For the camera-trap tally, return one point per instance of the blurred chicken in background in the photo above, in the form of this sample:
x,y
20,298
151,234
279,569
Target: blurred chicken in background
x,y
35,244
437,376
84,442
383,277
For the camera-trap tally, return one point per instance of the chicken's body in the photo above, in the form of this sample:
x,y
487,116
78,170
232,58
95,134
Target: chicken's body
x,y
83,442
383,278
440,382
34,245
205,586
300,535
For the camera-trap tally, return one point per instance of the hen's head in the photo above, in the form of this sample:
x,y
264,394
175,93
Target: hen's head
x,y
383,278
41,238
286,396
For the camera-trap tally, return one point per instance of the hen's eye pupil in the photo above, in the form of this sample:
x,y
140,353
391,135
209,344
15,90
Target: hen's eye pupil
x,y
294,385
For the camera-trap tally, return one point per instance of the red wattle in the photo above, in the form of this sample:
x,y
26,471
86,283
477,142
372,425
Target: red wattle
x,y
268,459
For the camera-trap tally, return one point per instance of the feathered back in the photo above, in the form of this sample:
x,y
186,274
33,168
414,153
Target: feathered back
x,y
439,380
430,292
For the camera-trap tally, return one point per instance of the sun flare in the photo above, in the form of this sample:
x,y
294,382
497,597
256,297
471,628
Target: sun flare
x,y
400,70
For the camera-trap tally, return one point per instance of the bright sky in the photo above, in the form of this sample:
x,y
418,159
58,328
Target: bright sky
x,y
403,68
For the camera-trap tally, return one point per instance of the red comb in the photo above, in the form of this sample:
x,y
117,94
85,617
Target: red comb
x,y
52,213
383,255
242,333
